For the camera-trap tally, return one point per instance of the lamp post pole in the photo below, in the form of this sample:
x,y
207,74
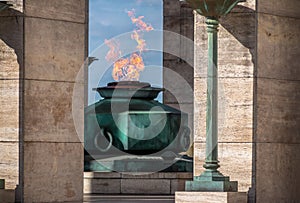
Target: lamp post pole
x,y
211,179
211,161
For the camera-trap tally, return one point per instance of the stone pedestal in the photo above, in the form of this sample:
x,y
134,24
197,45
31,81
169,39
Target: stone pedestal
x,y
211,197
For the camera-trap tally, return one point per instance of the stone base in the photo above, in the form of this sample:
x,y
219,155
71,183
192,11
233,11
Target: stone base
x,y
160,183
211,186
2,183
7,196
211,197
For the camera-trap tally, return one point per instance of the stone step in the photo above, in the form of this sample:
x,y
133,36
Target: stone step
x,y
160,183
7,196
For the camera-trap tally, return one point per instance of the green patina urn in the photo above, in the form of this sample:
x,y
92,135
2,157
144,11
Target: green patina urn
x,y
129,120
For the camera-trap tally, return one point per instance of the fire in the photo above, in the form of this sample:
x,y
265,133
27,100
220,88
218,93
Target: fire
x,y
139,22
128,69
114,53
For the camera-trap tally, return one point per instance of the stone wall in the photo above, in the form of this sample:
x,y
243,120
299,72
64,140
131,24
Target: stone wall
x,y
236,76
277,99
11,66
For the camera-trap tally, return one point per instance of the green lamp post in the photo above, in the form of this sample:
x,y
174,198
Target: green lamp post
x,y
211,179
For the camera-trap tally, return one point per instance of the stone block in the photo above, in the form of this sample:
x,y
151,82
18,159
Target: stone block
x,y
54,50
102,186
9,163
235,109
277,172
67,10
112,175
278,51
7,196
278,111
49,108
140,186
279,7
11,47
211,197
53,172
235,160
9,110
177,185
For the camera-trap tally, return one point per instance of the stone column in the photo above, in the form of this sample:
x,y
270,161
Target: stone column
x,y
11,65
178,56
277,101
54,51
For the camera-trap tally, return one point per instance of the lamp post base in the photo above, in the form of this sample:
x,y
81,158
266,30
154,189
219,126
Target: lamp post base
x,y
211,182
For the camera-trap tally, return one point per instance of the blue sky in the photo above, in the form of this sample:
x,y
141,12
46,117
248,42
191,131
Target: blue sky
x,y
109,19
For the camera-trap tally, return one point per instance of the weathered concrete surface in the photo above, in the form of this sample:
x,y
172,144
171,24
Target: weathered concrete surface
x,y
66,10
211,197
54,50
53,172
277,173
102,186
279,7
278,47
7,196
54,122
277,103
278,111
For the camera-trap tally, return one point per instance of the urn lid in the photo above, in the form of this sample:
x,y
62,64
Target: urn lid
x,y
129,89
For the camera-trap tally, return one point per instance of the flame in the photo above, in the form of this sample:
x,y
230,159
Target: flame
x,y
139,22
141,42
128,69
114,53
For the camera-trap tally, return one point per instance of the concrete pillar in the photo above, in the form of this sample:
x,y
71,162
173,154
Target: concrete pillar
x,y
54,51
178,57
277,101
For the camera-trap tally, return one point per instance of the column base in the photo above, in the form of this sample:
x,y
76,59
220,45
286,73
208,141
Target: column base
x,y
211,197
